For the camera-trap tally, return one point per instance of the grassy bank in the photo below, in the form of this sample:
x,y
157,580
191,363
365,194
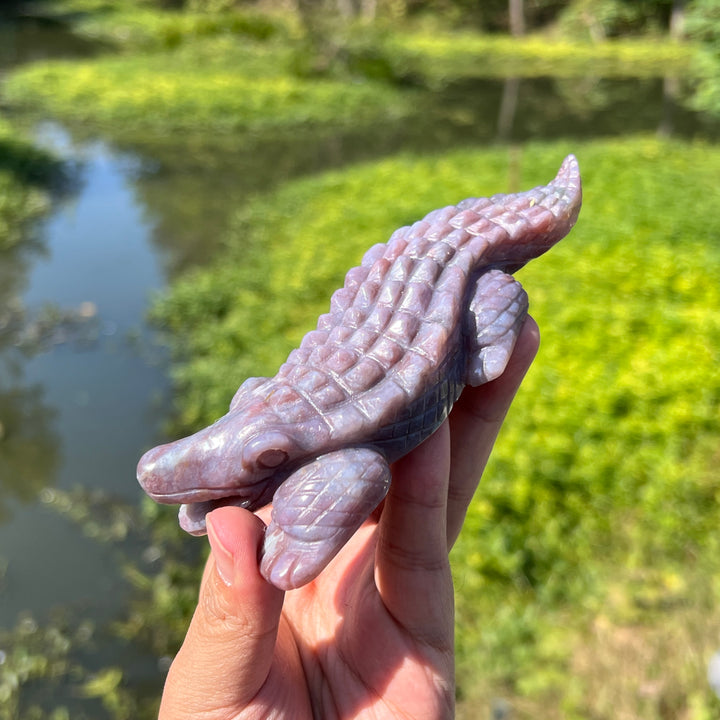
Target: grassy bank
x,y
213,84
134,25
595,528
440,58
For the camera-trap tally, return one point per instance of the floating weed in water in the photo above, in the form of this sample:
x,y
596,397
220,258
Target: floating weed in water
x,y
39,331
100,515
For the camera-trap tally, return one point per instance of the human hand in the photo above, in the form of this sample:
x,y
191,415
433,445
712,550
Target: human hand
x,y
372,636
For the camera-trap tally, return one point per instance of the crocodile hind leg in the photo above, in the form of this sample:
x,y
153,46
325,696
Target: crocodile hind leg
x,y
495,316
317,509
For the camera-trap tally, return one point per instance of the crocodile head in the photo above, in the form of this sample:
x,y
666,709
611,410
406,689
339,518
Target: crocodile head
x,y
238,460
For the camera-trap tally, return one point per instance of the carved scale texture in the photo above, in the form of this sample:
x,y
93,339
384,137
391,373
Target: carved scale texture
x,y
386,363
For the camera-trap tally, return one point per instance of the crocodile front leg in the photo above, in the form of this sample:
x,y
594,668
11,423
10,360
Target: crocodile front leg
x,y
495,315
316,511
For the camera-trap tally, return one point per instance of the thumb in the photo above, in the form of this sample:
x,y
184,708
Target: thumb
x,y
228,650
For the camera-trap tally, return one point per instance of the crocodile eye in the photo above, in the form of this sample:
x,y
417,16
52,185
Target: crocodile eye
x,y
267,451
272,458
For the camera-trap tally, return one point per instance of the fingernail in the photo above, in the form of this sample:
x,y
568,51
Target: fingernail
x,y
224,561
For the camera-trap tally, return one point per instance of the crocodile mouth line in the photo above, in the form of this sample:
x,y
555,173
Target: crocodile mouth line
x,y
194,495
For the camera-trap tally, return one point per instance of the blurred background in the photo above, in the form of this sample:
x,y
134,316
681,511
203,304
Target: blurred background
x,y
182,186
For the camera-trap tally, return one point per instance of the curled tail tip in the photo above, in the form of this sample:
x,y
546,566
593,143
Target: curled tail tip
x,y
569,173
570,164
569,183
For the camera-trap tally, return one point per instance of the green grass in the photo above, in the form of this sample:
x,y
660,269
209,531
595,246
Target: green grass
x,y
595,526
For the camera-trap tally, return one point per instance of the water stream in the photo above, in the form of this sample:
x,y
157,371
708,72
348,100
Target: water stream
x,y
93,402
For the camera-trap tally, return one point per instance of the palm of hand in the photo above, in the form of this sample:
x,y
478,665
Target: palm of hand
x,y
344,649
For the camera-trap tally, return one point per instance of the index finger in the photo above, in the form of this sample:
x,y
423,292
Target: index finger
x,y
475,421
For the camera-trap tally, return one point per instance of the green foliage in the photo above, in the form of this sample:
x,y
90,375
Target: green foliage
x,y
605,468
438,58
165,584
611,446
703,24
629,362
164,579
599,19
218,83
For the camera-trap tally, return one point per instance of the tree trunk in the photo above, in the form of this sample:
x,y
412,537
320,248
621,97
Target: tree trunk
x,y
369,10
677,19
345,9
508,108
517,17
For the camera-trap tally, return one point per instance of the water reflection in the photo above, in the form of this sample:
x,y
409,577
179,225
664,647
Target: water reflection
x,y
29,448
191,185
508,108
24,38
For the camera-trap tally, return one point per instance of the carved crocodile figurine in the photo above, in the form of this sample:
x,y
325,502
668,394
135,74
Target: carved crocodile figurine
x,y
432,310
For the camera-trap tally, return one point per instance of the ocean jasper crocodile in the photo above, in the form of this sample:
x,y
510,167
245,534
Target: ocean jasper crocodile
x,y
430,311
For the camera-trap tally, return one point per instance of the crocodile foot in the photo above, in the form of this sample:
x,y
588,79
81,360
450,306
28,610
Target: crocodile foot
x,y
316,511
